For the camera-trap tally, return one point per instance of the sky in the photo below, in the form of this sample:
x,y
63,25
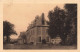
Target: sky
x,y
22,14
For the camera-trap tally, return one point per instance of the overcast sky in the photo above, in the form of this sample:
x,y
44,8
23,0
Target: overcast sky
x,y
21,14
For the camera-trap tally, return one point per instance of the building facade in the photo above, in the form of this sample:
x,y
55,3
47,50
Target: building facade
x,y
38,31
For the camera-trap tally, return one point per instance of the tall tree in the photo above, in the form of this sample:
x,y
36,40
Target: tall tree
x,y
71,11
57,23
8,29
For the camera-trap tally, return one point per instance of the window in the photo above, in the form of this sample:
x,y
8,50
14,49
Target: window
x,y
39,39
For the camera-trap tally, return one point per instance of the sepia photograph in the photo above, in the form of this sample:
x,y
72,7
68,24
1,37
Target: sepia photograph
x,y
40,26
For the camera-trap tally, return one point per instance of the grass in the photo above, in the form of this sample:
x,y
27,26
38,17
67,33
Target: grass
x,y
24,46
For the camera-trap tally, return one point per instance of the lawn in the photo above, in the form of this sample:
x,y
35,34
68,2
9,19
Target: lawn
x,y
48,47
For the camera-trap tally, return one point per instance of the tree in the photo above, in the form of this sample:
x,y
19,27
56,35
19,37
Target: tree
x,y
57,24
8,29
23,36
71,11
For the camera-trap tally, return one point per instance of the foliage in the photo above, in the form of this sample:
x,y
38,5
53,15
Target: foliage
x,y
57,24
23,36
71,11
8,29
63,22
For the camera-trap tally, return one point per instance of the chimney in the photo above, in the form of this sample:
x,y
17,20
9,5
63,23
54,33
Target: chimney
x,y
43,19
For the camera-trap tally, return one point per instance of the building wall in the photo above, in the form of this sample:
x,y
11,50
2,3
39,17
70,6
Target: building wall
x,y
20,41
37,34
42,34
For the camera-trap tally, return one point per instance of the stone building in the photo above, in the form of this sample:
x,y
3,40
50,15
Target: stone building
x,y
37,31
